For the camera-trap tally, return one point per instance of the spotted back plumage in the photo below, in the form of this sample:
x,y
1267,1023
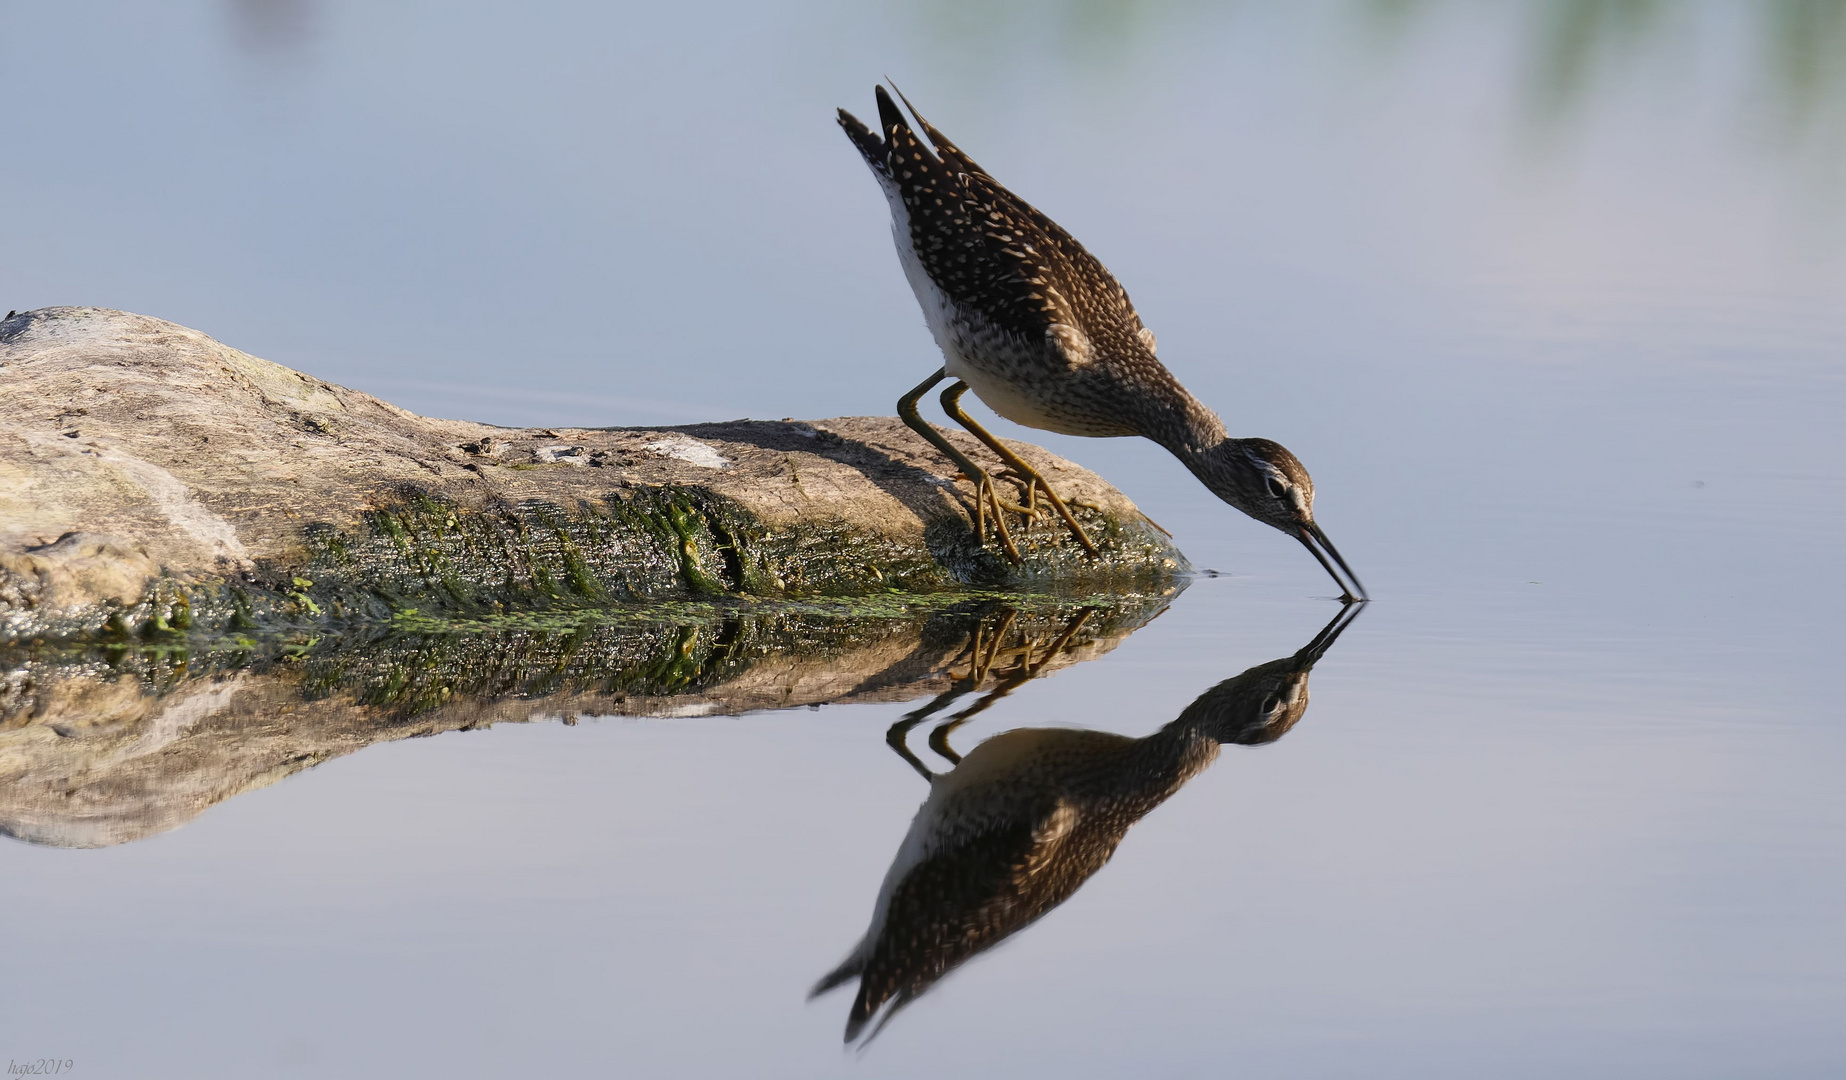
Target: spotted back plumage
x,y
1068,337
988,248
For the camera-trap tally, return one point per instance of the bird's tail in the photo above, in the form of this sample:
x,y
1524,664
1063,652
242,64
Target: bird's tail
x,y
950,153
850,968
898,139
871,147
867,1003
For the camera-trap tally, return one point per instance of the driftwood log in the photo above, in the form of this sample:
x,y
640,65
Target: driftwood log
x,y
154,483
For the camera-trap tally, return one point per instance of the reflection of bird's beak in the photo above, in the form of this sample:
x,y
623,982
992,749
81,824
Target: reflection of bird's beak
x,y
1311,653
1314,539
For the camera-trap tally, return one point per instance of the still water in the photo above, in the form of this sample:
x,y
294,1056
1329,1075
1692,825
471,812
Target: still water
x,y
1549,296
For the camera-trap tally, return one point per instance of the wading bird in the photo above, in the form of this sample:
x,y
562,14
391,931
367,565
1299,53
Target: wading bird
x,y
1042,333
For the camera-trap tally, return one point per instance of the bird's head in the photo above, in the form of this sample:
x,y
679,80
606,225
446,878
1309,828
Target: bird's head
x,y
1262,479
1265,481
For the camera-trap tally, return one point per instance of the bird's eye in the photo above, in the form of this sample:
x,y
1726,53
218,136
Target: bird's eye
x,y
1276,487
1269,705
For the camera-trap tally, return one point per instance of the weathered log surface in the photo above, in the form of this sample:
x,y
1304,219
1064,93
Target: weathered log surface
x,y
155,482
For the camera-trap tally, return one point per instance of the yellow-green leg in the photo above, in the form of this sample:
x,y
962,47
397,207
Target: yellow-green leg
x,y
984,491
951,404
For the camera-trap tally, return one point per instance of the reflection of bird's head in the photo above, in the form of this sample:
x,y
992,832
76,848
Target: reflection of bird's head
x,y
1260,705
1256,707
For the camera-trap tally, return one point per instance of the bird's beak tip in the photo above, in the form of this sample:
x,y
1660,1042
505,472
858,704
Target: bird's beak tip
x,y
1315,540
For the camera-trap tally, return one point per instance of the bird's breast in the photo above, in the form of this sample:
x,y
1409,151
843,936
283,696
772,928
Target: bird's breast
x,y
1027,382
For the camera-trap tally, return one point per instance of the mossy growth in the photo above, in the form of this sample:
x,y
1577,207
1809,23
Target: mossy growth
x,y
638,546
698,647
426,559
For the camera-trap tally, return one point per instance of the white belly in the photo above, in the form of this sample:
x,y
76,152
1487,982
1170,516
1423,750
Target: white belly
x,y
1004,398
970,353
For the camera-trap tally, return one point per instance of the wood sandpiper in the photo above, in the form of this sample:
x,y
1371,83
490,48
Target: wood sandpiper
x,y
1046,337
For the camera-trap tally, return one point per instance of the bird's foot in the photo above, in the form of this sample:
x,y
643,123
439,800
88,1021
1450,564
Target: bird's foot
x,y
986,499
1028,478
1035,484
1028,485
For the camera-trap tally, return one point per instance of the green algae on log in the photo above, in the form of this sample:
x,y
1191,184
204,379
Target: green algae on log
x,y
155,483
104,745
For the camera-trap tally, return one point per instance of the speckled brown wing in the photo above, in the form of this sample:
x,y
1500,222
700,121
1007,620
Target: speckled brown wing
x,y
969,897
1100,304
988,250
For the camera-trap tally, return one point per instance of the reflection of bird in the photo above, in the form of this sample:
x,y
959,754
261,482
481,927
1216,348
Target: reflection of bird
x,y
1027,816
1047,338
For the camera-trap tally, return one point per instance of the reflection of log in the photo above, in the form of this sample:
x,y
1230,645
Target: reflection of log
x,y
100,748
153,482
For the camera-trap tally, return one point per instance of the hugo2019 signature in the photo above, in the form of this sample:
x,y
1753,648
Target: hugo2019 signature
x,y
39,1066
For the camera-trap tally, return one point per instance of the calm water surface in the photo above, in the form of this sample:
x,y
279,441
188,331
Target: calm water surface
x,y
1548,296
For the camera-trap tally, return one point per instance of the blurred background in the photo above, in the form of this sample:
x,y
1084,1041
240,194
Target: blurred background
x,y
1370,229
1548,294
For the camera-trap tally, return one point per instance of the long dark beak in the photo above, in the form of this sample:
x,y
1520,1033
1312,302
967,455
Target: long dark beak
x,y
1311,536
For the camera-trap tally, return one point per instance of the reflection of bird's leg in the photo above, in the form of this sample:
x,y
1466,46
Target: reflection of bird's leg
x,y
939,738
1063,640
895,735
984,490
1019,469
980,664
980,660
1025,667
894,738
1023,673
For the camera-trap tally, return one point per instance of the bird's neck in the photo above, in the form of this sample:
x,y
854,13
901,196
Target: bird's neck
x,y
1173,755
1182,424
